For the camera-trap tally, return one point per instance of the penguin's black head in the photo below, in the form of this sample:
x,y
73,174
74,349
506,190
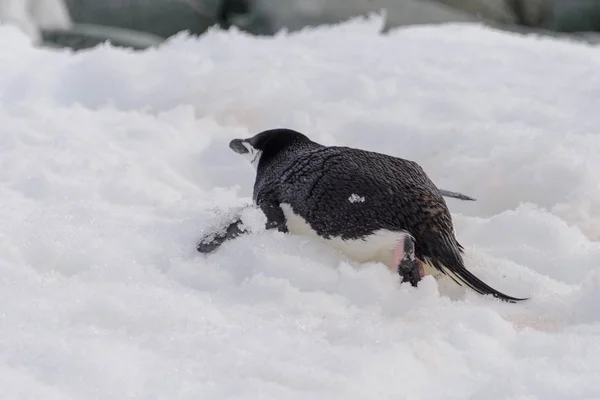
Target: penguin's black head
x,y
267,144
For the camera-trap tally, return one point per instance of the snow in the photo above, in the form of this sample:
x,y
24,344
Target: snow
x,y
355,198
113,163
30,16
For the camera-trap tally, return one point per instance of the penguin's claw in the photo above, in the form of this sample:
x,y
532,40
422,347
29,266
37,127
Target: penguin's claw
x,y
408,265
409,271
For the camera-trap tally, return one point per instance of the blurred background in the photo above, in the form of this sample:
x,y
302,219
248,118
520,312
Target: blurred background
x,y
138,24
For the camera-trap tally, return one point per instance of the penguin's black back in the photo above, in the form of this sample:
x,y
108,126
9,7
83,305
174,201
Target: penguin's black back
x,y
318,182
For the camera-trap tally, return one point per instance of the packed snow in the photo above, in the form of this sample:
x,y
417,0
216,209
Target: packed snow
x,y
355,198
31,16
114,163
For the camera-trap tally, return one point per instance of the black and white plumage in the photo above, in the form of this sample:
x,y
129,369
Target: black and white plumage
x,y
366,204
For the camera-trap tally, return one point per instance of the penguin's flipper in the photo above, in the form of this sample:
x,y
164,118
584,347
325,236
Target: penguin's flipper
x,y
455,195
233,226
213,240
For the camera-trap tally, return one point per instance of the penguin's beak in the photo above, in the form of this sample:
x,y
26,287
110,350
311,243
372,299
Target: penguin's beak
x,y
237,145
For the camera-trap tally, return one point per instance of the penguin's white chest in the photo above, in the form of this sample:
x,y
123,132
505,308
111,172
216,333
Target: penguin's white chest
x,y
378,247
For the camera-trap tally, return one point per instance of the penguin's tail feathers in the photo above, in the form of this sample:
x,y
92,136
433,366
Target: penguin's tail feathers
x,y
448,260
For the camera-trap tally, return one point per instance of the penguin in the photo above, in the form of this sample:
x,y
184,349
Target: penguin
x,y
368,205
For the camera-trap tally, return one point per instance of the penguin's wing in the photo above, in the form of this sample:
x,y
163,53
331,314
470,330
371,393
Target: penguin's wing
x,y
226,225
231,225
213,240
456,195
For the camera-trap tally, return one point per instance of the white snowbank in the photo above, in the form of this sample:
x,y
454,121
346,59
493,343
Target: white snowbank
x,y
111,163
30,16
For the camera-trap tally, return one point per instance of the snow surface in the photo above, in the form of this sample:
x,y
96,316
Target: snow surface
x,y
112,164
30,16
355,198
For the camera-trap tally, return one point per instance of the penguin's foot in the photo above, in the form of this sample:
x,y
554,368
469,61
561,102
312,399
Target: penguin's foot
x,y
409,267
